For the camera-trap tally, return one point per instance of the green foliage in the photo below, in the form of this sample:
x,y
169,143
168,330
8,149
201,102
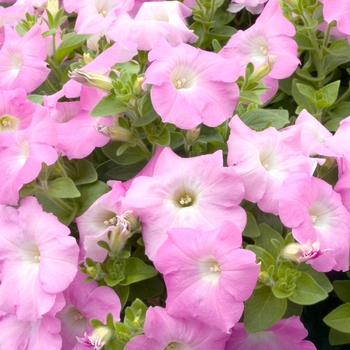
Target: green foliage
x,y
69,42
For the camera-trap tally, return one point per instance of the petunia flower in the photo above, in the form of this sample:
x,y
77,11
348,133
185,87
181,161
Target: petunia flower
x,y
197,88
22,60
197,193
85,301
271,34
207,275
38,259
163,331
286,334
315,213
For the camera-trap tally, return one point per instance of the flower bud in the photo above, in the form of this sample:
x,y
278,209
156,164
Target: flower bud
x,y
89,78
264,69
100,337
52,7
302,252
121,233
115,132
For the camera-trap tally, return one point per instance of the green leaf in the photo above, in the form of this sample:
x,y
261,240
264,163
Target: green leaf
x,y
339,319
330,92
89,194
319,277
64,213
302,100
62,187
150,288
123,293
136,270
342,289
266,237
130,156
36,98
109,105
251,229
307,291
257,119
293,310
96,323
307,91
262,310
69,43
338,338
86,173
162,139
262,255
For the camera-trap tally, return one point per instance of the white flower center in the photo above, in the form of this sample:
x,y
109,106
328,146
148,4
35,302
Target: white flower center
x,y
185,200
30,253
177,346
184,77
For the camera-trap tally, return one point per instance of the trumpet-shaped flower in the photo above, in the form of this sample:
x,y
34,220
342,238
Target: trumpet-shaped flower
x,y
286,334
154,20
16,112
269,35
207,275
163,331
38,259
197,193
253,6
22,60
23,152
85,301
264,160
315,213
33,335
197,88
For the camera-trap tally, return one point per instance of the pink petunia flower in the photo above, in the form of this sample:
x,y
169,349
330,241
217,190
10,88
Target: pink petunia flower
x,y
98,220
269,35
197,88
253,6
163,331
265,159
16,112
41,334
22,60
315,213
38,259
23,152
85,301
154,20
207,275
286,334
197,193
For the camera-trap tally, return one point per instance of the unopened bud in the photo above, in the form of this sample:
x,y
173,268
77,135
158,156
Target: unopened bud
x,y
87,58
99,337
114,132
121,233
89,78
302,252
264,69
52,7
138,85
192,134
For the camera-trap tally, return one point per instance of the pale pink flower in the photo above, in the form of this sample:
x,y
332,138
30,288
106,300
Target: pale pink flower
x,y
23,152
98,220
37,255
41,334
269,35
197,88
340,142
207,275
22,60
264,160
253,6
16,112
315,213
80,144
85,301
162,331
339,13
343,184
197,193
286,334
154,20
